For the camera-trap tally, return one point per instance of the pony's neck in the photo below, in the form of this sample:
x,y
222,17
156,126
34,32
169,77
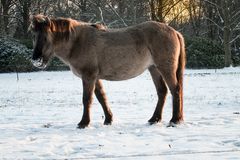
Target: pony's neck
x,y
63,32
64,35
62,49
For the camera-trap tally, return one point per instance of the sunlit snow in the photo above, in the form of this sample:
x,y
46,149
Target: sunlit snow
x,y
39,115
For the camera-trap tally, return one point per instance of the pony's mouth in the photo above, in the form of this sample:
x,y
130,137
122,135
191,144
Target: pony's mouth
x,y
39,63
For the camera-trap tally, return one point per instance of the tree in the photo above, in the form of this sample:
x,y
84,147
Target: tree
x,y
165,10
6,6
228,15
23,10
195,9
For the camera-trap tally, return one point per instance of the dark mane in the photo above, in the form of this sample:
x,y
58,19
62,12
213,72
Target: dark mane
x,y
62,27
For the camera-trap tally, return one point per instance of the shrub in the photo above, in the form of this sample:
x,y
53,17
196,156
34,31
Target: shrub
x,y
236,59
27,42
56,65
15,57
204,53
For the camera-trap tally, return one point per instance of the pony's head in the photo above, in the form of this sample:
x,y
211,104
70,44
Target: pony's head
x,y
40,28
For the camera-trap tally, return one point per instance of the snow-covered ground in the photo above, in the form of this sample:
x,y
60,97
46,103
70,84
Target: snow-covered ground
x,y
39,114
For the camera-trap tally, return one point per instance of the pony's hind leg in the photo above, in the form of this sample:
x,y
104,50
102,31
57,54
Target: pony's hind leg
x,y
175,87
161,88
101,96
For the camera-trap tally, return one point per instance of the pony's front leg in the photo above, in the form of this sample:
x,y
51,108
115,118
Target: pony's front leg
x,y
88,89
102,98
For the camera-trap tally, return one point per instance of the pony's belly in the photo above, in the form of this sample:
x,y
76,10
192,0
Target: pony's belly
x,y
126,71
121,76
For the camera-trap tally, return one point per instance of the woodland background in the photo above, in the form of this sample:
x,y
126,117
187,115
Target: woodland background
x,y
211,27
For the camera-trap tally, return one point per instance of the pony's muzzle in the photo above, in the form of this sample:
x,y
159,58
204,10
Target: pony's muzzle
x,y
39,63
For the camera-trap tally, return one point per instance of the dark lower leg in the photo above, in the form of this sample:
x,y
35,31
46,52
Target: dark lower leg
x,y
101,96
177,114
161,91
157,115
88,88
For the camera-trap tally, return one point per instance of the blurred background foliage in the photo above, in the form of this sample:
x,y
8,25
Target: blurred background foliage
x,y
211,27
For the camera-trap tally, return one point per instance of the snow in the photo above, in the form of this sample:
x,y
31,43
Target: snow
x,y
39,114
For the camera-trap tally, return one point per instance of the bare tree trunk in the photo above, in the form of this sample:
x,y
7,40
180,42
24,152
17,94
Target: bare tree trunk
x,y
160,14
23,8
192,16
1,20
25,15
211,13
140,9
132,12
5,9
156,7
152,10
121,7
226,33
227,46
98,12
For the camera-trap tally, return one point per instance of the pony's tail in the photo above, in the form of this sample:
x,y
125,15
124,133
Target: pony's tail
x,y
180,69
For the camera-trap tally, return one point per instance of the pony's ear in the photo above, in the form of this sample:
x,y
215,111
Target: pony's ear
x,y
39,20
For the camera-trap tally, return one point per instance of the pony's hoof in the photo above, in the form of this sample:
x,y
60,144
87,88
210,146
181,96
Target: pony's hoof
x,y
107,122
174,123
171,124
82,125
154,120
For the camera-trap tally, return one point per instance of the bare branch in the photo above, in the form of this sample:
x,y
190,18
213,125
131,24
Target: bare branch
x,y
235,23
220,16
9,16
236,14
176,16
220,39
214,4
101,14
237,27
212,21
115,12
234,39
170,8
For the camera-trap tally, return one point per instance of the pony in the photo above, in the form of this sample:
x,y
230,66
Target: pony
x,y
94,52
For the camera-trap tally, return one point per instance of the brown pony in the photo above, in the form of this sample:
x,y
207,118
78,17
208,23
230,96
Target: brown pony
x,y
94,52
